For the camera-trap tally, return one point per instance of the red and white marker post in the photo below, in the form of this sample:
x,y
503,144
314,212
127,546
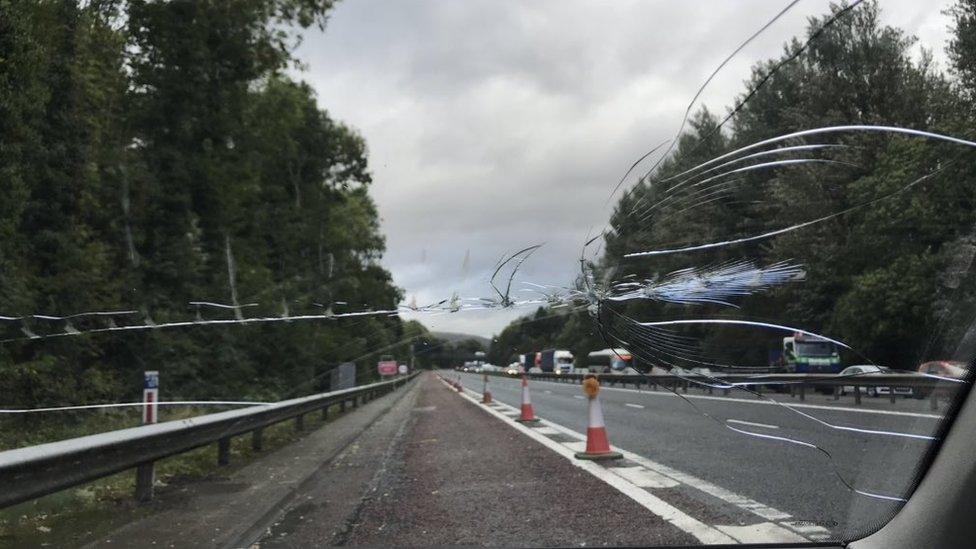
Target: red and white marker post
x,y
146,472
486,394
528,414
150,397
597,443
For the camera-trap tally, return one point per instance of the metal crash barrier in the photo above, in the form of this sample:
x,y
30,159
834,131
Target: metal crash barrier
x,y
34,471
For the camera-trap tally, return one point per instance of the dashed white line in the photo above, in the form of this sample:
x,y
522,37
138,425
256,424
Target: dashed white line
x,y
633,405
579,397
768,402
703,532
763,425
769,513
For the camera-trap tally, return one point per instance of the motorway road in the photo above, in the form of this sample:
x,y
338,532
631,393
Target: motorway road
x,y
795,463
444,477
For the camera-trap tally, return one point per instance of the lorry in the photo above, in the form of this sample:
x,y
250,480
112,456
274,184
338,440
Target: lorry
x,y
556,360
808,354
607,361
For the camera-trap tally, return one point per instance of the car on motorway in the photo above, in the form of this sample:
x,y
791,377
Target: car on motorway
x,y
952,369
514,369
859,370
946,368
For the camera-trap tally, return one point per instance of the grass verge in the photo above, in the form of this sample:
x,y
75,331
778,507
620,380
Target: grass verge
x,y
82,514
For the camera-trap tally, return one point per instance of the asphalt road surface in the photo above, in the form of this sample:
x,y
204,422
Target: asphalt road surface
x,y
430,465
823,462
446,473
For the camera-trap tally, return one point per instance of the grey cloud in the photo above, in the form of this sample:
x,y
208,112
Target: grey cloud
x,y
495,125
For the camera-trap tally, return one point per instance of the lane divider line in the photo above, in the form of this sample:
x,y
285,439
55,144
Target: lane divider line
x,y
816,533
780,518
752,424
638,406
765,402
702,532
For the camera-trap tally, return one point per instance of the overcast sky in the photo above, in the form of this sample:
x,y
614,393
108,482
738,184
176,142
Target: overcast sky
x,y
493,125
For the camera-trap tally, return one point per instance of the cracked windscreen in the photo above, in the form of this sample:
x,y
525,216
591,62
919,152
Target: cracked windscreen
x,y
713,261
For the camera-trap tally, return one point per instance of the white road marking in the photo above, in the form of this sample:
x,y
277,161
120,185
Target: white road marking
x,y
644,477
579,446
755,507
547,392
750,505
769,403
579,397
761,533
924,436
701,531
633,405
760,509
546,431
763,425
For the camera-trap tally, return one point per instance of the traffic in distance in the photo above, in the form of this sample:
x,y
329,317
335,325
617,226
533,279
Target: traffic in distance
x,y
796,354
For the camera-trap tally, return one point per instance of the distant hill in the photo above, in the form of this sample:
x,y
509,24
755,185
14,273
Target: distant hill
x,y
454,337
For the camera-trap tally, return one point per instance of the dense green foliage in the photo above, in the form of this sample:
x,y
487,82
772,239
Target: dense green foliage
x,y
878,278
154,153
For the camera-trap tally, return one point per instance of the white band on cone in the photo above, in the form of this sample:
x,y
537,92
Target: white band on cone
x,y
596,413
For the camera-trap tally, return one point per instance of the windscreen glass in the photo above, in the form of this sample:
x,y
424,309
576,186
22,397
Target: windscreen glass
x,y
506,273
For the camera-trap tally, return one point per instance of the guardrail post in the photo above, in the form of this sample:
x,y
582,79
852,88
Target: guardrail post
x,y
223,451
325,412
145,478
792,390
892,391
803,391
857,395
686,386
728,391
257,439
836,392
300,422
933,400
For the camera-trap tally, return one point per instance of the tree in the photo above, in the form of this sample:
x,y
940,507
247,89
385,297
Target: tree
x,y
895,213
156,153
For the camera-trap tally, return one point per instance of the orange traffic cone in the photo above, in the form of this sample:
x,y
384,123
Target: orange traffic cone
x,y
597,444
528,415
486,394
